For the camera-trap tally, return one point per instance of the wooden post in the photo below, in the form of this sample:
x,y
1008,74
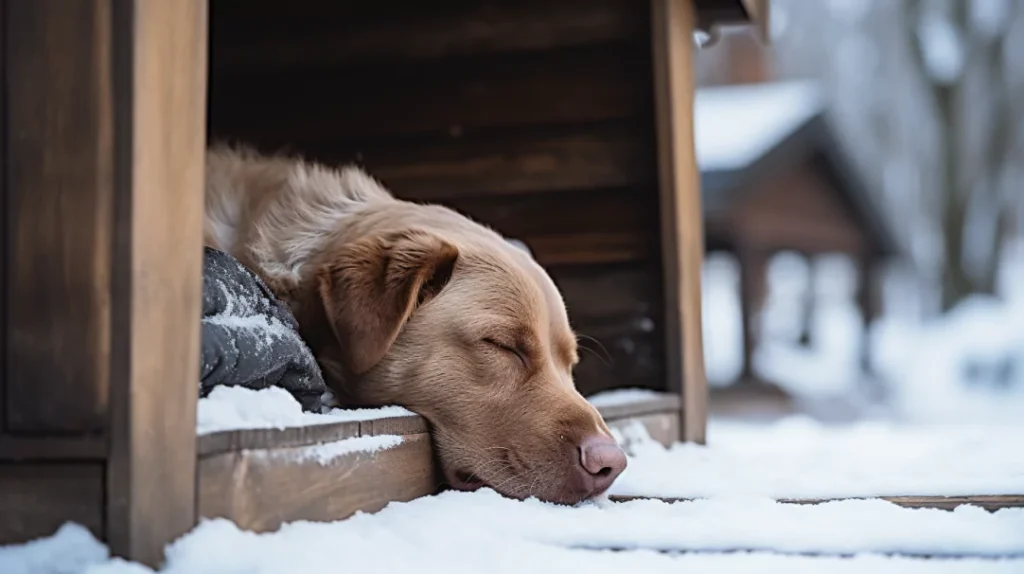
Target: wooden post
x,y
160,66
867,302
753,282
105,133
681,218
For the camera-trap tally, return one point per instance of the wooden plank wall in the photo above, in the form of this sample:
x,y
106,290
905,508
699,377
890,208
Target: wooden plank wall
x,y
103,138
534,117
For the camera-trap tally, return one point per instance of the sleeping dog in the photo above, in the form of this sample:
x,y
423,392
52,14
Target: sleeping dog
x,y
419,306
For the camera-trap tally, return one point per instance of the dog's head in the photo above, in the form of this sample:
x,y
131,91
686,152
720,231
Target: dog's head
x,y
468,330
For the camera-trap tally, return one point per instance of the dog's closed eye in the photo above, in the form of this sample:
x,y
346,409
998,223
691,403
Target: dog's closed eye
x,y
508,349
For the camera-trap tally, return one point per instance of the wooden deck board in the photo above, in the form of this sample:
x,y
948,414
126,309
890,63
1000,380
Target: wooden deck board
x,y
261,478
988,502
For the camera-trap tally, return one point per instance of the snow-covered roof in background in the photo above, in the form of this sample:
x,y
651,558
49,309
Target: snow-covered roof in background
x,y
736,125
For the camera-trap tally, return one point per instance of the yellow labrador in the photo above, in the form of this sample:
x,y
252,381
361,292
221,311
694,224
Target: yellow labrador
x,y
417,305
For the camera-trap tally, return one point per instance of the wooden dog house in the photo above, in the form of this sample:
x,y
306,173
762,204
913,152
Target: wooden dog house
x,y
567,125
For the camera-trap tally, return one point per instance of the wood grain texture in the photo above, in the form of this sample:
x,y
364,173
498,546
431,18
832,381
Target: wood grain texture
x,y
254,439
452,95
36,499
261,489
662,427
682,241
664,403
342,33
988,502
59,188
235,440
501,162
160,83
53,448
403,426
271,476
5,222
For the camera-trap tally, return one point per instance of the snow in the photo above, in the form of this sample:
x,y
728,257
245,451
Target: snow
x,y
617,397
328,452
233,408
431,535
798,457
736,125
964,367
722,319
831,363
70,547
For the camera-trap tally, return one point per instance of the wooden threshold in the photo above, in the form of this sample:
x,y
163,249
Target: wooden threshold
x,y
988,502
262,478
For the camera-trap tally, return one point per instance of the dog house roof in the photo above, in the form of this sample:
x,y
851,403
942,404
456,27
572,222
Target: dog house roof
x,y
744,133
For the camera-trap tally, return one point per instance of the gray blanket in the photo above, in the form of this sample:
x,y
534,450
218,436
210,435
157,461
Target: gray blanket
x,y
250,338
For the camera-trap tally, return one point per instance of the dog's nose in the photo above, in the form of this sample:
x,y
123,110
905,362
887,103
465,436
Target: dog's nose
x,y
603,460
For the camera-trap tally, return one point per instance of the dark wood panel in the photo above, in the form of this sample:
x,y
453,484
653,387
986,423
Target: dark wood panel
x,y
505,161
266,33
160,71
593,248
63,448
5,222
630,211
59,187
452,95
598,292
261,489
36,499
617,311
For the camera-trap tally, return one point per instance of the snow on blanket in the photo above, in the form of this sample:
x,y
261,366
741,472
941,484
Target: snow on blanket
x,y
232,408
483,532
800,458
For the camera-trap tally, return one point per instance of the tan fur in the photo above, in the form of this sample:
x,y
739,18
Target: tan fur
x,y
414,305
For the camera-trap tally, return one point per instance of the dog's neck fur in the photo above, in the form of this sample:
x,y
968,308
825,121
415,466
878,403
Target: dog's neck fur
x,y
276,215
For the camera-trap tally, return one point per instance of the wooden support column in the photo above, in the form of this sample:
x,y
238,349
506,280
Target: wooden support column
x,y
104,134
753,288
868,300
679,203
160,57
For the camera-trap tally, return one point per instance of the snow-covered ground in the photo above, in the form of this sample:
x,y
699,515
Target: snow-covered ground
x,y
965,366
483,532
798,457
735,526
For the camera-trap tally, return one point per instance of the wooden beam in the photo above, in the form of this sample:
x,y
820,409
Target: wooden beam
x,y
343,33
261,489
681,218
261,478
160,55
988,502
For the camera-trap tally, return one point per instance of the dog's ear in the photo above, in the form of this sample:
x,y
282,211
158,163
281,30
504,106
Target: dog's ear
x,y
374,285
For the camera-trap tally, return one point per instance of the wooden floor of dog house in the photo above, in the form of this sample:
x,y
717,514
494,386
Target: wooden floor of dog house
x,y
262,478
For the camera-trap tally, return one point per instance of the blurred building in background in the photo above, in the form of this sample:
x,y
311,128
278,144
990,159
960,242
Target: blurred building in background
x,y
924,101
